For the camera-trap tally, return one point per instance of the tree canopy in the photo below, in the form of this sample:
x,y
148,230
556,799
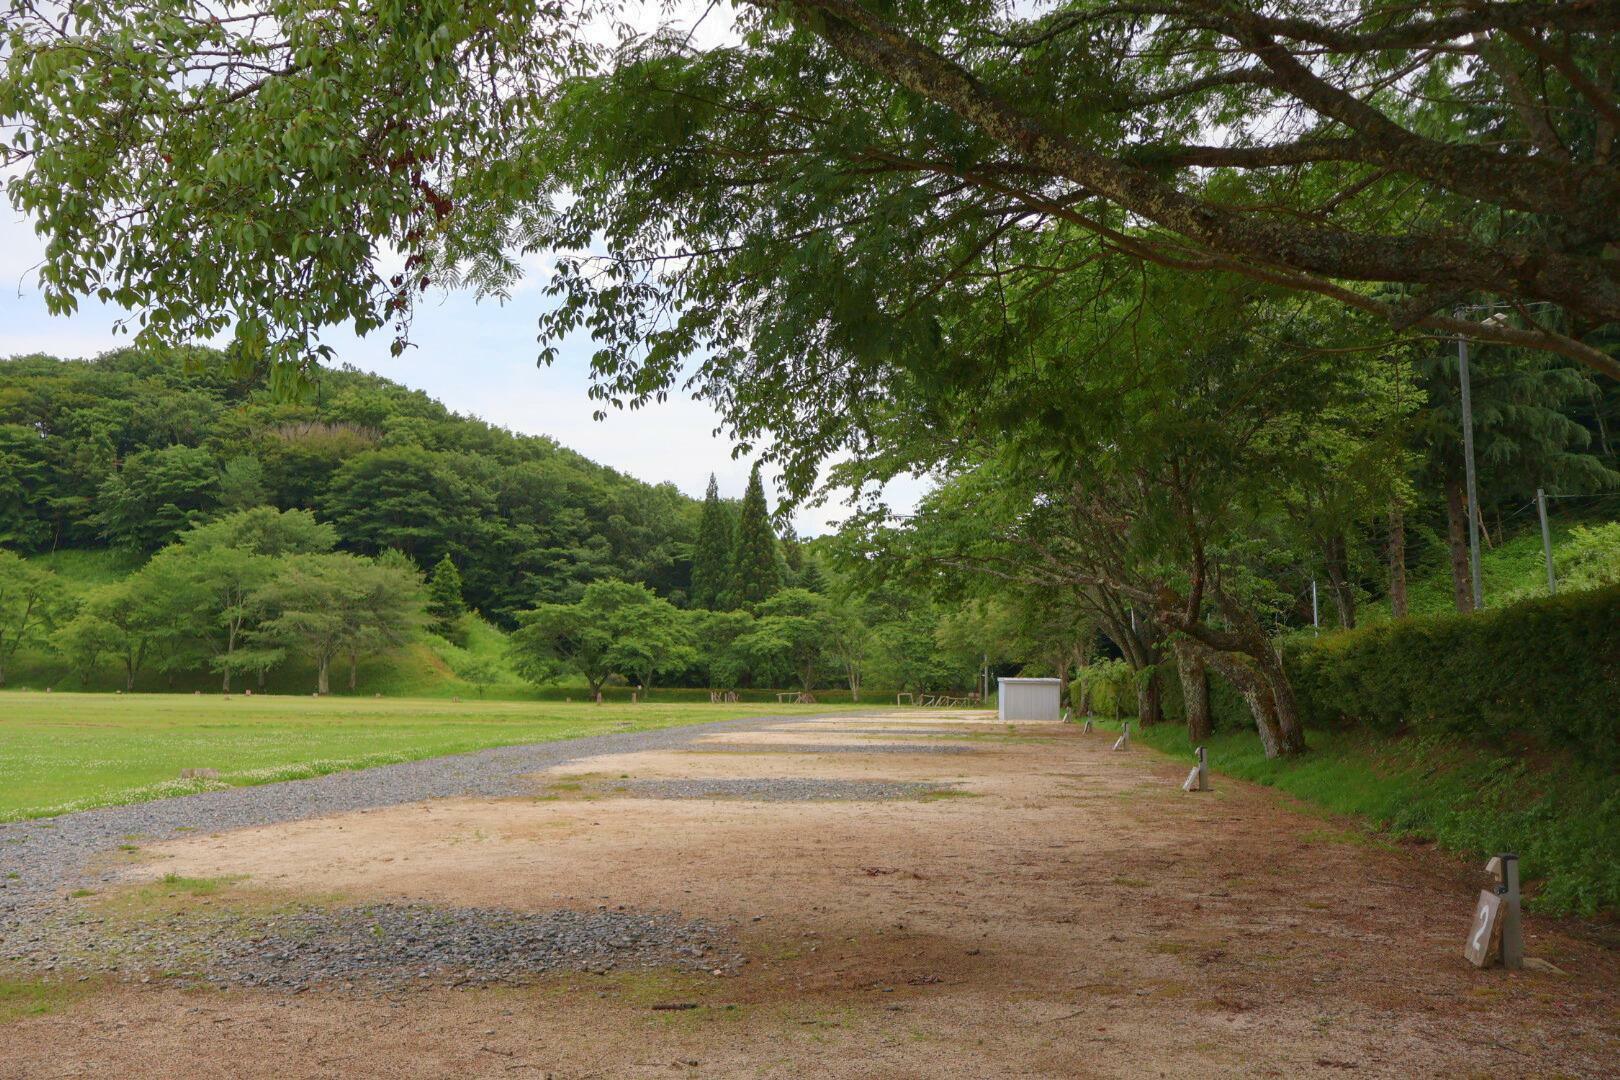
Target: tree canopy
x,y
250,173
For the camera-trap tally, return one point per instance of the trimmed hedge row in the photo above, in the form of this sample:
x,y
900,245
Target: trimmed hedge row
x,y
1547,667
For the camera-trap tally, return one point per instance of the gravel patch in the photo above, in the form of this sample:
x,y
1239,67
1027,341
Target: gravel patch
x,y
374,947
908,732
775,789
831,748
41,858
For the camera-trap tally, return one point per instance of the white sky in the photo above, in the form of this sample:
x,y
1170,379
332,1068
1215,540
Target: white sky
x,y
477,358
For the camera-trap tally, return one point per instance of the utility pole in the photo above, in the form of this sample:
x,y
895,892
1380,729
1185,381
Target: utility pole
x,y
1546,541
1468,467
1315,620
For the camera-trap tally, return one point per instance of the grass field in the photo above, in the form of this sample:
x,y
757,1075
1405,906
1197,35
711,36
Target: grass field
x,y
62,752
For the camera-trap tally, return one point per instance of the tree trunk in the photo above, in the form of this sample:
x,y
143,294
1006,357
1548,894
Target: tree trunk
x,y
1265,719
129,677
1397,562
1285,710
1082,703
1255,667
1194,693
322,684
354,662
1149,697
1462,587
1338,571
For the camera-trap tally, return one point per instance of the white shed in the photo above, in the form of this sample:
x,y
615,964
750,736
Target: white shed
x,y
1029,699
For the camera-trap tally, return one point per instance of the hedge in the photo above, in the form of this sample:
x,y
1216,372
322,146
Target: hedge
x,y
1546,669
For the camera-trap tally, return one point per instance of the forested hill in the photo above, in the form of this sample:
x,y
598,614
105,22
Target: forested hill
x,y
128,450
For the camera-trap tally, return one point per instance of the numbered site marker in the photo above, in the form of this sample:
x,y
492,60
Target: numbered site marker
x,y
1485,929
1198,779
1124,740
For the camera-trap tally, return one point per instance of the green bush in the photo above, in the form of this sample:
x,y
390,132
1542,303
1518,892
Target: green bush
x,y
1544,669
1108,681
1591,557
1108,686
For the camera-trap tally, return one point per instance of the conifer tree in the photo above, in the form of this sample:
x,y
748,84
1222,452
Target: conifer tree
x,y
712,553
445,606
811,577
756,572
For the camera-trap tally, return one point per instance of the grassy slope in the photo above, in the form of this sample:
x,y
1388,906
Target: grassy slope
x,y
1560,816
1511,570
61,752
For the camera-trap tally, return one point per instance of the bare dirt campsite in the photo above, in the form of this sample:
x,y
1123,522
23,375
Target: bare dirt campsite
x,y
903,894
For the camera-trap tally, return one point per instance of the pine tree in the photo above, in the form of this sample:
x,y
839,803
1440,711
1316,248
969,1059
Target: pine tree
x,y
812,577
445,606
1523,439
756,573
712,553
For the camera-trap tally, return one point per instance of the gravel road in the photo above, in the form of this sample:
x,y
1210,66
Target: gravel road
x,y
831,748
373,947
773,789
41,858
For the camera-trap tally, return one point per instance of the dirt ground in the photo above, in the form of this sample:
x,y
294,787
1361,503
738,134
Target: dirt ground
x,y
1069,913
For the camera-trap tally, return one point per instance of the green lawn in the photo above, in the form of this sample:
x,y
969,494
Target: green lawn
x,y
62,752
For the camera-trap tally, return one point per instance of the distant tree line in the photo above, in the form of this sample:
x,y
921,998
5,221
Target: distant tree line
x,y
347,521
238,597
130,450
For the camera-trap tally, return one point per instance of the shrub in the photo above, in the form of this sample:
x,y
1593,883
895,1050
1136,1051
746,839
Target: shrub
x,y
1546,668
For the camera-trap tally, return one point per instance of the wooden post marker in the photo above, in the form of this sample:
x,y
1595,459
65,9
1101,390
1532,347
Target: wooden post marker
x,y
1512,920
1482,932
1085,729
1498,928
1198,778
1065,717
1124,740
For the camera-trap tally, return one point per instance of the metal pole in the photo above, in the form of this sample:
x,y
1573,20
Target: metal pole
x,y
1546,542
1468,466
1315,620
1512,921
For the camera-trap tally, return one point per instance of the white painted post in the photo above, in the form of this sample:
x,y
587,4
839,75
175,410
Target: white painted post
x,y
1198,775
